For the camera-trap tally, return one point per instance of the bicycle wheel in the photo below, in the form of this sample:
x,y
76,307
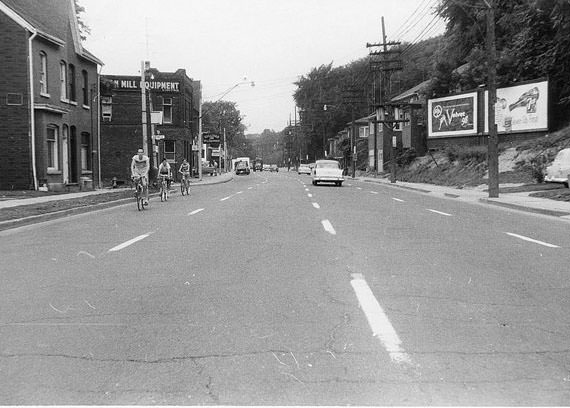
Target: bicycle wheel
x,y
161,193
182,188
139,199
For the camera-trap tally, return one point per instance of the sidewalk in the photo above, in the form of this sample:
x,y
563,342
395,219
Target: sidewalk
x,y
518,201
16,202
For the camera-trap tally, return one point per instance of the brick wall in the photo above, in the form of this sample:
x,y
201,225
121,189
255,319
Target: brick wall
x,y
15,166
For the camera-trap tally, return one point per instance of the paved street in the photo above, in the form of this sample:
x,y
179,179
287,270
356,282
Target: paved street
x,y
268,290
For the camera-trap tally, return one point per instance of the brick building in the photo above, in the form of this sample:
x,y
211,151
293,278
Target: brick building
x,y
172,98
47,83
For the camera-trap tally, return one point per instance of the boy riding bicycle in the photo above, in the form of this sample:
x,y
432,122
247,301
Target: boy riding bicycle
x,y
140,166
185,171
164,171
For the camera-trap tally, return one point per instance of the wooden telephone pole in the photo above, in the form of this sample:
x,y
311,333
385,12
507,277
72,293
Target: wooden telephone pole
x,y
386,62
493,144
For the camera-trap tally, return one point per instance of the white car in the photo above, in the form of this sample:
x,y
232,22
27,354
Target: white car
x,y
559,170
327,171
304,169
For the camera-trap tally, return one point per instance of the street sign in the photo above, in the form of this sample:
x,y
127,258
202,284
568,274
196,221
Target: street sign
x,y
210,138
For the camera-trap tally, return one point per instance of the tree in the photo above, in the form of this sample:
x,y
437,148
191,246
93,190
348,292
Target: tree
x,y
84,29
532,42
220,115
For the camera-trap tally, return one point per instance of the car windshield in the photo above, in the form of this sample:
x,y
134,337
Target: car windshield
x,y
328,165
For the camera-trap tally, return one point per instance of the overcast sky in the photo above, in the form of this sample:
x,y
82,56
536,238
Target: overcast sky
x,y
270,42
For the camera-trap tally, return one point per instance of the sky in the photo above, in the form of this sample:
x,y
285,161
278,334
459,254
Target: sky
x,y
267,42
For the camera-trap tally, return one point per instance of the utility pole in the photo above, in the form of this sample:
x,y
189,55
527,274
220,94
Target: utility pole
x,y
493,144
385,61
143,106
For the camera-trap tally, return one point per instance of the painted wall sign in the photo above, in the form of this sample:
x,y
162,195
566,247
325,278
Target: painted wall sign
x,y
520,108
163,86
452,116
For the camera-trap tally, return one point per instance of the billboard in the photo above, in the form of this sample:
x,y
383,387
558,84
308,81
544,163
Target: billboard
x,y
452,116
520,108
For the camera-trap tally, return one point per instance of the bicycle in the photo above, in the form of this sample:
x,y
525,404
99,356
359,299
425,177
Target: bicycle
x,y
163,187
185,184
139,190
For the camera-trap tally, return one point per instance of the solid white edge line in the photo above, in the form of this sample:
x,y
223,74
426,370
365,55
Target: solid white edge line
x,y
316,205
328,227
196,211
378,321
546,244
439,212
129,242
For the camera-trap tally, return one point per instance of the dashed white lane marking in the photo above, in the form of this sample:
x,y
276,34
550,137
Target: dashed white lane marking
x,y
129,242
316,205
546,244
398,200
359,188
328,227
306,189
374,192
196,211
226,198
378,321
249,188
239,192
310,195
440,213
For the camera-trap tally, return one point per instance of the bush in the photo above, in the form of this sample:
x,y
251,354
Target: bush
x,y
406,157
466,154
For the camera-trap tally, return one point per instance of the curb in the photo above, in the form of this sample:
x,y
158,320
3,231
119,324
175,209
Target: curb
x,y
421,190
544,211
35,219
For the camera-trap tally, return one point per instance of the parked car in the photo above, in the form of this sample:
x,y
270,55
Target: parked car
x,y
559,170
327,171
242,168
304,169
274,168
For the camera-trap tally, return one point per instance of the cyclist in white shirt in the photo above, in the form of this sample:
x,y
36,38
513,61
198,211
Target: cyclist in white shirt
x,y
140,166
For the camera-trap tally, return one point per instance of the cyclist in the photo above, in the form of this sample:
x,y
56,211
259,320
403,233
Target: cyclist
x,y
164,171
140,166
185,171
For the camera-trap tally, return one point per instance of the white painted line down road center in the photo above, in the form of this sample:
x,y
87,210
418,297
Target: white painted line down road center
x,y
328,227
378,321
129,242
546,244
196,211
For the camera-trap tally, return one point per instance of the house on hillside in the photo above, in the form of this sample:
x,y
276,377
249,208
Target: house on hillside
x,y
48,84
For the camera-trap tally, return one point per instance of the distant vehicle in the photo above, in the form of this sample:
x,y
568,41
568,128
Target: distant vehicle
x,y
304,169
241,159
274,168
258,164
327,171
559,170
242,168
266,167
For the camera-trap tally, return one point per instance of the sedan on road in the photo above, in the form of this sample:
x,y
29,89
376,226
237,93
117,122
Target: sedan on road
x,y
304,169
327,171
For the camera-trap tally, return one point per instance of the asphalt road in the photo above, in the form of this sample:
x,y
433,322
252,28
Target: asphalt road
x,y
270,291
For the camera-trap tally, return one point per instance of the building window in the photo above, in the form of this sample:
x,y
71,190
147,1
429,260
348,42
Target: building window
x,y
85,87
52,148
363,131
71,83
107,108
170,150
43,74
167,110
63,80
85,149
